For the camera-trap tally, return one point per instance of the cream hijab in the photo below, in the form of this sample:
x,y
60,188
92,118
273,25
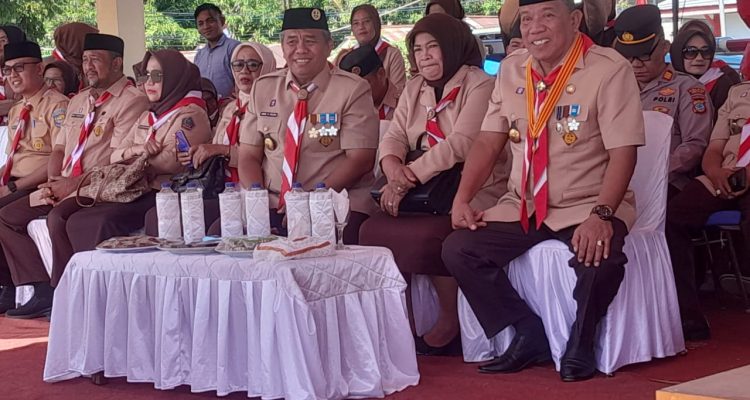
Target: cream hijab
x,y
266,56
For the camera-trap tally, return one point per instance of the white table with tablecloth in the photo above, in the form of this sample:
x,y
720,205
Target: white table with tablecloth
x,y
319,328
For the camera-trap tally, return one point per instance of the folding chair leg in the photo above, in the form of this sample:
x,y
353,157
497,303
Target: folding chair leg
x,y
738,273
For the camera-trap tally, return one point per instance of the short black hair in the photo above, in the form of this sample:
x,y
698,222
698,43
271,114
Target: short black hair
x,y
207,7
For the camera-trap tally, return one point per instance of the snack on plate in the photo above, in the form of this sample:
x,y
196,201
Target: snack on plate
x,y
129,242
290,249
242,244
180,244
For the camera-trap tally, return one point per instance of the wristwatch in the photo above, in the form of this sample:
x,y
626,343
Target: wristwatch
x,y
603,211
12,186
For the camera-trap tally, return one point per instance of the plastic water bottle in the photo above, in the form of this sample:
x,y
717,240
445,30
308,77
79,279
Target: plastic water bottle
x,y
321,213
230,209
257,211
168,212
298,212
193,224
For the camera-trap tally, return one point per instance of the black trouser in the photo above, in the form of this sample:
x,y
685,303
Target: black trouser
x,y
5,277
476,259
687,213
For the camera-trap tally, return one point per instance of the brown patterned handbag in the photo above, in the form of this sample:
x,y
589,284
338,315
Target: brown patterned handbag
x,y
121,182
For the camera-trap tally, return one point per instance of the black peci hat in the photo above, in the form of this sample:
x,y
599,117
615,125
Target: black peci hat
x,y
21,50
100,41
361,61
304,18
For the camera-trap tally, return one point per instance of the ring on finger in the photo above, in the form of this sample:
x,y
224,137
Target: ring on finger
x,y
599,243
390,204
718,192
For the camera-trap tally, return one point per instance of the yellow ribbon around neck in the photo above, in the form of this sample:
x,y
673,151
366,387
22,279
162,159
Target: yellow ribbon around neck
x,y
537,123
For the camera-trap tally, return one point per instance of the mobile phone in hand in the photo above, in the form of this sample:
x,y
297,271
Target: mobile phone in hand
x,y
183,145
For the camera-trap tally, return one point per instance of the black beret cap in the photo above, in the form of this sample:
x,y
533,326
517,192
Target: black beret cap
x,y
637,29
22,49
361,61
304,18
100,41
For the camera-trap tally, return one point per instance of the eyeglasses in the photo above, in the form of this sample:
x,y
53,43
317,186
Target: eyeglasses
x,y
645,57
155,76
252,65
18,68
690,53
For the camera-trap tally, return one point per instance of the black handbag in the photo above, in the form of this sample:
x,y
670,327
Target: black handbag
x,y
432,197
210,176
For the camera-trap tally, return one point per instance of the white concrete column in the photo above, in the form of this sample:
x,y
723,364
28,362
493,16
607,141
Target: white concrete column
x,y
124,18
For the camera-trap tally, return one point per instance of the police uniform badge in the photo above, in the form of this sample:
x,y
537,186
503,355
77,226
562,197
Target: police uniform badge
x,y
188,123
666,91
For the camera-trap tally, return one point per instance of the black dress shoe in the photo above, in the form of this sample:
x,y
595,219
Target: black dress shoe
x,y
453,348
522,352
578,363
7,299
574,369
36,307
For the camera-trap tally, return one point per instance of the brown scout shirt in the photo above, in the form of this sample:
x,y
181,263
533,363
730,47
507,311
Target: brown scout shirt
x,y
221,131
732,117
683,98
390,100
191,119
112,123
45,121
460,122
339,92
575,171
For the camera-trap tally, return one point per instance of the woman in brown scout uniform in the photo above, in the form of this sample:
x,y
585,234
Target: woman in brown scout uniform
x,y
366,27
447,100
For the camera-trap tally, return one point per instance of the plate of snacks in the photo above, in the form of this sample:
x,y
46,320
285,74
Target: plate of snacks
x,y
241,246
129,244
179,247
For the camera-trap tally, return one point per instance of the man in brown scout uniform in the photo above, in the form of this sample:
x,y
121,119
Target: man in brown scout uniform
x,y
310,122
640,39
97,120
573,155
721,188
34,123
365,62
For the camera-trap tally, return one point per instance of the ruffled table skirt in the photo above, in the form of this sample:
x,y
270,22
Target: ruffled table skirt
x,y
324,328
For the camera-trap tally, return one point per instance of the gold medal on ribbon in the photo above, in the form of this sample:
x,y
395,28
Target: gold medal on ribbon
x,y
569,138
559,127
269,142
302,94
313,132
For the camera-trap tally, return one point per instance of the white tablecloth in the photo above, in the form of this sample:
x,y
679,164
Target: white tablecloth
x,y
325,328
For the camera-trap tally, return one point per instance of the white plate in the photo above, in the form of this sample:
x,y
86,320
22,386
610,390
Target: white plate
x,y
128,249
188,250
239,254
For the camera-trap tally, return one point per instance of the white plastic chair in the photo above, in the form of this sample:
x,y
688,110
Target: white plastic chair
x,y
643,320
40,235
